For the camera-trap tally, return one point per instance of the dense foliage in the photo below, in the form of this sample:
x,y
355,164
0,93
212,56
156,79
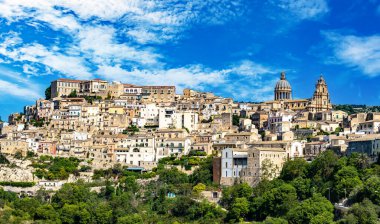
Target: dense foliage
x,y
17,184
303,193
122,200
48,93
3,159
55,168
352,109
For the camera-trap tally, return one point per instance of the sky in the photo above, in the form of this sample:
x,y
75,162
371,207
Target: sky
x,y
234,48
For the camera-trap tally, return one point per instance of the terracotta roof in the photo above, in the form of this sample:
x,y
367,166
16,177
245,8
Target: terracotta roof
x,y
69,80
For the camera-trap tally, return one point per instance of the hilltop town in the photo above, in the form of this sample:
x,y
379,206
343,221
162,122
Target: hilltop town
x,y
175,152
108,123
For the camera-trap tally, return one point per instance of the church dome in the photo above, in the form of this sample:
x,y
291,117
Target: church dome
x,y
283,84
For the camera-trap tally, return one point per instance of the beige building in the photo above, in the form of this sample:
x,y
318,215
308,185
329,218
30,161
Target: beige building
x,y
10,147
263,163
158,94
321,98
63,87
90,87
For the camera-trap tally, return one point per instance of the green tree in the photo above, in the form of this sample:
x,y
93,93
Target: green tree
x,y
325,217
322,169
172,176
268,170
237,191
372,189
73,94
346,180
197,189
270,220
303,187
48,93
203,174
293,169
103,213
130,219
71,194
309,209
75,214
358,160
239,209
362,213
274,202
46,212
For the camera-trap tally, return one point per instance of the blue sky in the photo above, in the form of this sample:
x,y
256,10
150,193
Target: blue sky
x,y
233,48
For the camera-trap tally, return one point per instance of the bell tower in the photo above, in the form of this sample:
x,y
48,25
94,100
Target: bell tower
x,y
321,98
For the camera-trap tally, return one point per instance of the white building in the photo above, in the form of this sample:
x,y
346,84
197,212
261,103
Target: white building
x,y
75,110
369,127
136,149
151,114
170,118
232,163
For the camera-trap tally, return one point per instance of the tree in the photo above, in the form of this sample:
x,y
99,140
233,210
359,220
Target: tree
x,y
303,188
268,170
3,159
172,176
307,210
75,214
363,213
239,209
346,180
358,160
322,169
46,212
270,220
372,189
323,218
132,129
130,219
274,202
235,120
293,169
48,93
203,174
237,191
197,189
73,94
71,194
103,213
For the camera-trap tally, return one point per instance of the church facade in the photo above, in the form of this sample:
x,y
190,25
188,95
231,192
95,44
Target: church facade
x,y
283,97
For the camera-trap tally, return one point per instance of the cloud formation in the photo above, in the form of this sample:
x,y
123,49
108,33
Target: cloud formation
x,y
304,9
358,52
118,40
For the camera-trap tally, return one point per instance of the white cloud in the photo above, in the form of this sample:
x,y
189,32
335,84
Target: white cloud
x,y
13,48
99,44
250,68
362,53
304,9
12,89
97,37
14,84
194,76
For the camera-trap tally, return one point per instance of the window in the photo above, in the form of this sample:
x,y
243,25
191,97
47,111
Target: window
x,y
226,165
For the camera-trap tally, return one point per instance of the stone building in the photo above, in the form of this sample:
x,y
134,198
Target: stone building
x,y
283,90
263,163
63,87
321,98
